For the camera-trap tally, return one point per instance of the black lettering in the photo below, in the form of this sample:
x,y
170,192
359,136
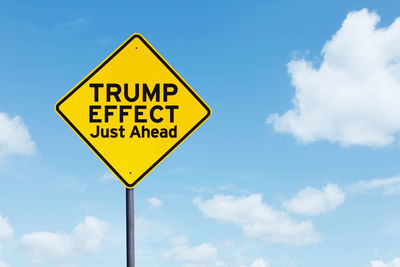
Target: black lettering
x,y
126,94
115,93
167,93
139,113
114,133
163,133
155,92
145,131
171,112
104,132
154,119
154,132
96,87
173,132
122,113
135,131
97,132
107,112
93,113
122,131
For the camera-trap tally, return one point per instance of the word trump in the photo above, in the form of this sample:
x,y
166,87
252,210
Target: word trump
x,y
149,105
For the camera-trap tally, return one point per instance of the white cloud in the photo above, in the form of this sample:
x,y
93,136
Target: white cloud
x,y
107,175
394,263
14,137
258,220
260,263
388,186
6,230
3,264
312,201
87,237
154,202
353,97
180,240
204,255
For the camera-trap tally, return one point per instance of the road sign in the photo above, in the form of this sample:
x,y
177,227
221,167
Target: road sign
x,y
133,110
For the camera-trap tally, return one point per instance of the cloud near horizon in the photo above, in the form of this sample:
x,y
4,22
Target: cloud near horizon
x,y
6,232
14,137
204,255
352,97
154,202
312,201
258,220
387,186
259,263
394,263
86,238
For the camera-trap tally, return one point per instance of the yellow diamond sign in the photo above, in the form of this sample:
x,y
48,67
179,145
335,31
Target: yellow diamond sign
x,y
133,110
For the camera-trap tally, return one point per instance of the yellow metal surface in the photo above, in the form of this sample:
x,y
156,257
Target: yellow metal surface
x,y
133,110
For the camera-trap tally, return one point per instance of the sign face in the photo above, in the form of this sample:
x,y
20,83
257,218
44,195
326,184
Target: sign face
x,y
133,110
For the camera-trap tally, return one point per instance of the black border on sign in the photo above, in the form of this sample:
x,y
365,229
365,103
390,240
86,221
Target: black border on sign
x,y
99,68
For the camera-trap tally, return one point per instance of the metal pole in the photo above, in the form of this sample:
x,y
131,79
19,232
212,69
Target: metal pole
x,y
130,228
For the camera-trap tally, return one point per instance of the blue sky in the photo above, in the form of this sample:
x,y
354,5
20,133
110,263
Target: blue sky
x,y
297,166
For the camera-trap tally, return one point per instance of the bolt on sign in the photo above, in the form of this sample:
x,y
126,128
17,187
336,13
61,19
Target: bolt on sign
x,y
133,110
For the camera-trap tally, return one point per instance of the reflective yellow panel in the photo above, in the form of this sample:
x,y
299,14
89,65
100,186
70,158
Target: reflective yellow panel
x,y
133,110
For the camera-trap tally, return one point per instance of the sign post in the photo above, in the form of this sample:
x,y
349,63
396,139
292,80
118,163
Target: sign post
x,y
132,111
130,227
